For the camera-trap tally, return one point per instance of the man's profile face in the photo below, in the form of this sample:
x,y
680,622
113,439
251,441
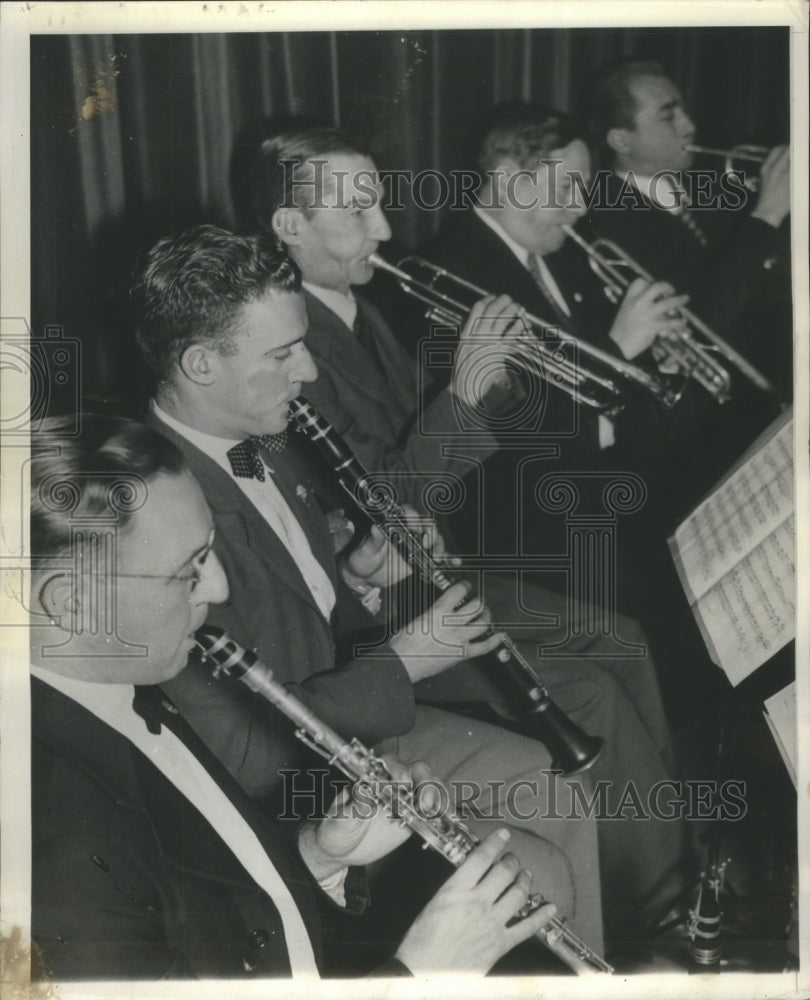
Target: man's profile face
x,y
164,578
662,128
335,240
253,387
553,189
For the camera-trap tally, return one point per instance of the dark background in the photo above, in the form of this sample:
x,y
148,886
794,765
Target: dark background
x,y
133,136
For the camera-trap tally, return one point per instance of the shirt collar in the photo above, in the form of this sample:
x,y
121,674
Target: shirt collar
x,y
661,190
110,699
520,252
344,306
214,447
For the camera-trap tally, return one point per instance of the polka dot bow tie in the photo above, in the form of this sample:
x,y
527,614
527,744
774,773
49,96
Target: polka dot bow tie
x,y
244,457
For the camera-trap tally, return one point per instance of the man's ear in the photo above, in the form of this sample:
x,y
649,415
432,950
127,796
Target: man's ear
x,y
500,175
59,601
618,139
287,225
195,364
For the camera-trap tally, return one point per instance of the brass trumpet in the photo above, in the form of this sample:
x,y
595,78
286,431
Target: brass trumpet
x,y
743,153
596,379
753,154
693,357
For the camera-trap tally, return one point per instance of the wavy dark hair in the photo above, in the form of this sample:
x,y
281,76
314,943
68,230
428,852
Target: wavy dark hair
x,y
521,131
189,289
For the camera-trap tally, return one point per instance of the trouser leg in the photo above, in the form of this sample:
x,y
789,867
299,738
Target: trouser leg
x,y
504,778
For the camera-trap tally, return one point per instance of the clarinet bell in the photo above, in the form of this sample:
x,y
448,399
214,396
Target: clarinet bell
x,y
572,750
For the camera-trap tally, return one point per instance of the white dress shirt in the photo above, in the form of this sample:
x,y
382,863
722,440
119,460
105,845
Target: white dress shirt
x,y
270,503
661,190
523,256
112,704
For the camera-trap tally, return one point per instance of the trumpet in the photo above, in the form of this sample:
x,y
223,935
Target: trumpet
x,y
444,833
744,153
572,750
693,357
596,379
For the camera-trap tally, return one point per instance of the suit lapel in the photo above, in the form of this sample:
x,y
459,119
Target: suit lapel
x,y
329,338
509,276
231,506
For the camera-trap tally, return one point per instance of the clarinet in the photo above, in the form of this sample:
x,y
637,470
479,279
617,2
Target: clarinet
x,y
572,750
444,834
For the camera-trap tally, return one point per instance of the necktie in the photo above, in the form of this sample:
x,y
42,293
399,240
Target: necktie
x,y
244,457
362,330
563,321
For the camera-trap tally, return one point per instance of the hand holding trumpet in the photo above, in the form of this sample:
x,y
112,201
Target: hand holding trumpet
x,y
648,309
773,203
487,339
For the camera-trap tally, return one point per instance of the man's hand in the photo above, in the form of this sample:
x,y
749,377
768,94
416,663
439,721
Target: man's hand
x,y
442,637
463,928
647,309
373,563
376,563
356,831
488,338
773,203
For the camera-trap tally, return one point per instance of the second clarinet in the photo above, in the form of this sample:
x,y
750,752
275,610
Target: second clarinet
x,y
571,749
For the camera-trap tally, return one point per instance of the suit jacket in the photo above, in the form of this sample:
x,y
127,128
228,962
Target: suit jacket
x,y
371,395
728,282
130,881
469,248
271,609
567,433
722,279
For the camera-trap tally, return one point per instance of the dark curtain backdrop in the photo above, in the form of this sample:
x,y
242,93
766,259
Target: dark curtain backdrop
x,y
136,136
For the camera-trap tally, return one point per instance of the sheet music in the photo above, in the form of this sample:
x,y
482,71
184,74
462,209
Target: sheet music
x,y
780,714
735,557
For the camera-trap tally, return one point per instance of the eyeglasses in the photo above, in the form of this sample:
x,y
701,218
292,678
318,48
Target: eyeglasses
x,y
193,574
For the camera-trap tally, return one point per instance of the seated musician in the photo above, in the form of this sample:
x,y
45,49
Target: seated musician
x,y
149,862
367,388
715,241
710,237
222,321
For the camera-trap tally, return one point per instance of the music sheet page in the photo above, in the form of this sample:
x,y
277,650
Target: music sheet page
x,y
735,557
780,714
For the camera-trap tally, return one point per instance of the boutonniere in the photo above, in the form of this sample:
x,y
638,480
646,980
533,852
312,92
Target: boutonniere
x,y
302,493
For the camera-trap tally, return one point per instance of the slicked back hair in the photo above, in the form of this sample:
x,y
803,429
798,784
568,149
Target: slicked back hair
x,y
607,99
91,474
282,172
189,289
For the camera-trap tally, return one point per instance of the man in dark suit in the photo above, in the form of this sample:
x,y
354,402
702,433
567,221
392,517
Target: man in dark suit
x,y
220,318
708,235
707,239
148,860
369,390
